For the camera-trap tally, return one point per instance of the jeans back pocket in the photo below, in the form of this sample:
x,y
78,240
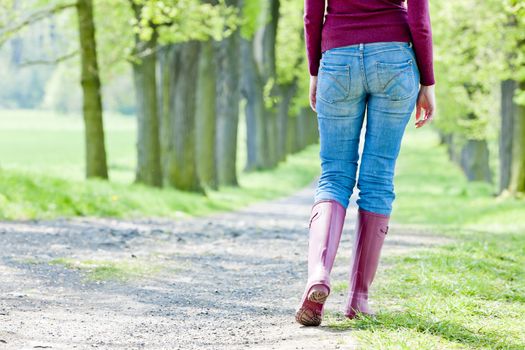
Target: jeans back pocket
x,y
397,79
333,82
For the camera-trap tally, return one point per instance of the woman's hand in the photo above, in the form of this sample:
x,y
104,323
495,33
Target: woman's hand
x,y
426,100
313,90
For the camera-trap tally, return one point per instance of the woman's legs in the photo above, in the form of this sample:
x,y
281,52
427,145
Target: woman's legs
x,y
340,112
393,83
379,78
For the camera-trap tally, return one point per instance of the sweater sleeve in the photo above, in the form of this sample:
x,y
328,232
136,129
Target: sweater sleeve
x,y
313,27
421,32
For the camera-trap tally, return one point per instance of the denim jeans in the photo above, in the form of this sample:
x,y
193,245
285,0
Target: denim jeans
x,y
383,79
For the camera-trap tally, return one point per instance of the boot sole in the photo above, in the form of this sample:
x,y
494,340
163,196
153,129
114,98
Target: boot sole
x,y
308,316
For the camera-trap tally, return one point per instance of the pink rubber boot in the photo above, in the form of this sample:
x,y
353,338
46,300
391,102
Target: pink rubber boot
x,y
371,229
326,225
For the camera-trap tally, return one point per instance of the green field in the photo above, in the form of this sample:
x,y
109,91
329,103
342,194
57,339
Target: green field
x,y
42,171
53,144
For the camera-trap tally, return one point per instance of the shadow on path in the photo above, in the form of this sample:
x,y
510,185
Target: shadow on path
x,y
226,281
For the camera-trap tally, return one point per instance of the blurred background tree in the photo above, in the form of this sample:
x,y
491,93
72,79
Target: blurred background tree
x,y
188,94
479,62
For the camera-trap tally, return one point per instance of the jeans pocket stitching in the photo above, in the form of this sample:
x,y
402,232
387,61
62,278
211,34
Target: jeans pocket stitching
x,y
381,67
332,77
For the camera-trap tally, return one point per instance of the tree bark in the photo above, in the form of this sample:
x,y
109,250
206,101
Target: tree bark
x,y
148,145
259,70
287,92
291,137
508,111
166,89
475,160
227,109
205,117
269,40
301,134
181,159
452,148
96,164
271,130
252,90
517,177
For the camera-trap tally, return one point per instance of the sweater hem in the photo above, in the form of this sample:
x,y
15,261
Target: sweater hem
x,y
333,39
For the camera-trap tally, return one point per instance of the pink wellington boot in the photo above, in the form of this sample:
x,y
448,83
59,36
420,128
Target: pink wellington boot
x,y
371,229
326,225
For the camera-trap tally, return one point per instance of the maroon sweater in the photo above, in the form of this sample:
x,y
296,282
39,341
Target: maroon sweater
x,y
350,22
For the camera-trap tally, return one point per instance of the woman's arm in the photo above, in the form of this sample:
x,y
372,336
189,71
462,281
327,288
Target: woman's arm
x,y
421,31
313,27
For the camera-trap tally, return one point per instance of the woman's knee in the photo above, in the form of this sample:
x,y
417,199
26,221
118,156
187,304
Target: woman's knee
x,y
376,194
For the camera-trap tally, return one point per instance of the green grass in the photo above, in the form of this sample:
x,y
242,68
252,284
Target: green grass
x,y
432,190
101,270
41,174
53,144
27,195
465,295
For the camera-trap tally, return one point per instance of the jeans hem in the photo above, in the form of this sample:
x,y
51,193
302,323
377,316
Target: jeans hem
x,y
373,213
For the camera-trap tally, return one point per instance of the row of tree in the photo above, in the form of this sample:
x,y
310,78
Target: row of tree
x,y
194,63
480,63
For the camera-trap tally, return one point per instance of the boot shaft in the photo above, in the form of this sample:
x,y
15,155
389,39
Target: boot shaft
x,y
370,232
325,228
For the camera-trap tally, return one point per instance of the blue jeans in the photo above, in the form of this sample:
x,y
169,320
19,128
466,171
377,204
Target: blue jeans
x,y
383,79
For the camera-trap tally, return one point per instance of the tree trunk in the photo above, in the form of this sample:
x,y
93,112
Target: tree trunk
x,y
96,165
517,175
258,72
252,89
166,93
291,137
271,130
148,145
508,111
302,128
205,127
475,160
269,39
181,160
449,140
227,109
287,93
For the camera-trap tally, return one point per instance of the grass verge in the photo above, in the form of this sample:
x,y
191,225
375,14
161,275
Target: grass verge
x,y
42,162
29,195
465,295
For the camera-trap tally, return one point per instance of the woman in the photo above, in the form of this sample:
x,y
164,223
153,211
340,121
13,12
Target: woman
x,y
373,55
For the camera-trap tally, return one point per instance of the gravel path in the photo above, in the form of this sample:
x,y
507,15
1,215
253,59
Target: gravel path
x,y
226,281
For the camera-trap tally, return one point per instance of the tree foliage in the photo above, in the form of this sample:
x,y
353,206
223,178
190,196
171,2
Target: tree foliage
x,y
184,20
477,44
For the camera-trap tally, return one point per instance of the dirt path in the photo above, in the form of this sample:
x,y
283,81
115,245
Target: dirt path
x,y
227,281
